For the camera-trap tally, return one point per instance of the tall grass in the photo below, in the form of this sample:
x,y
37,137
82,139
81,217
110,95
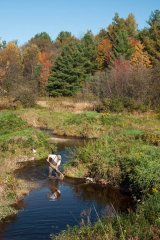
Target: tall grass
x,y
17,140
144,224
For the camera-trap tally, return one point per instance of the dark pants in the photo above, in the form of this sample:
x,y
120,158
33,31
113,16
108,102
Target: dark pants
x,y
52,171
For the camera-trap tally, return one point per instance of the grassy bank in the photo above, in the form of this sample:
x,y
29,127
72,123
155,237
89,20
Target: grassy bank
x,y
16,142
91,124
144,224
126,153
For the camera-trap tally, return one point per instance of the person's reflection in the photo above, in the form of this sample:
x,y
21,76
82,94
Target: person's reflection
x,y
55,192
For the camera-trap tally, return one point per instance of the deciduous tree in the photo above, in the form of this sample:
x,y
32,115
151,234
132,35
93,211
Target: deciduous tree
x,y
140,56
104,52
45,65
11,67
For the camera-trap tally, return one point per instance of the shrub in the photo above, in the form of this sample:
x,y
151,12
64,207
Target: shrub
x,y
26,97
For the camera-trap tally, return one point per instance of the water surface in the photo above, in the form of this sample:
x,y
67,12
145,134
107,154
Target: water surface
x,y
42,215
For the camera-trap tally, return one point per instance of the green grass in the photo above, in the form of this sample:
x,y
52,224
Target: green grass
x,y
120,157
128,155
90,124
125,152
144,224
16,142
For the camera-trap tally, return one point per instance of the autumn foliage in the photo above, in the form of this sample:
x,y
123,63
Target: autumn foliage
x,y
123,60
104,52
140,56
46,64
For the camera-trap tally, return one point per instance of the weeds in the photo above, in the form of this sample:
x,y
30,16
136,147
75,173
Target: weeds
x,y
137,225
16,143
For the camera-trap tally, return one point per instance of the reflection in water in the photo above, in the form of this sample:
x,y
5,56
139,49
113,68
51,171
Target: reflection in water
x,y
104,195
56,204
55,192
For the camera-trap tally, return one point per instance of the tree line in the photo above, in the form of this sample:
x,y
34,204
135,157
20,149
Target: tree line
x,y
120,64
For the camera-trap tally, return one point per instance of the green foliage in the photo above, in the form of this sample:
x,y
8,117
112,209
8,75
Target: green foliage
x,y
43,41
121,104
17,140
68,72
154,18
151,209
122,48
89,52
10,122
64,37
151,36
88,117
129,25
42,35
122,157
142,224
15,135
72,68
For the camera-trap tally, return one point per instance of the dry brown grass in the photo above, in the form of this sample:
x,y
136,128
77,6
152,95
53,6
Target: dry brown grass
x,y
6,103
66,104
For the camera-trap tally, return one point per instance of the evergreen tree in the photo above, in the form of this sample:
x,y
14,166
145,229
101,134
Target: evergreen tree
x,y
151,37
122,48
129,25
68,72
64,37
89,52
74,66
43,42
103,34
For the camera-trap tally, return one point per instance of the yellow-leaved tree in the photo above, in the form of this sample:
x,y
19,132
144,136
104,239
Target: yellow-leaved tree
x,y
140,56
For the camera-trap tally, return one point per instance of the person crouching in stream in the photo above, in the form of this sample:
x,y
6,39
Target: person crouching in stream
x,y
54,163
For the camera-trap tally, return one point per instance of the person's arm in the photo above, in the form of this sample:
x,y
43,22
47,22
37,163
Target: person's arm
x,y
58,163
47,159
59,160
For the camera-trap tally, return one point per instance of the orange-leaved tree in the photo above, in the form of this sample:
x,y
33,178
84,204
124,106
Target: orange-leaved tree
x,y
46,64
104,53
139,56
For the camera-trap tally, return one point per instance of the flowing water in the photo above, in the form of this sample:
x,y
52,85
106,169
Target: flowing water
x,y
41,214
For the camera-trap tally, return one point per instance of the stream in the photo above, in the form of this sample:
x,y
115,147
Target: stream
x,y
41,215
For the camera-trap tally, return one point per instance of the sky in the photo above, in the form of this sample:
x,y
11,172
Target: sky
x,y
22,19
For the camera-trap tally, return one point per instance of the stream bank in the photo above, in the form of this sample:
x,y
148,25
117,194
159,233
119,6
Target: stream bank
x,y
41,215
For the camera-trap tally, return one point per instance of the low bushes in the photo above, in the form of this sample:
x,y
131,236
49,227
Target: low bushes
x,y
121,104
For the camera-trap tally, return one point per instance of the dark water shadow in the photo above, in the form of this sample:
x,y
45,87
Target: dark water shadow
x,y
54,204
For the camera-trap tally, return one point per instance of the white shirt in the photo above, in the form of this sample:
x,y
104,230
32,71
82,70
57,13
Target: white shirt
x,y
56,159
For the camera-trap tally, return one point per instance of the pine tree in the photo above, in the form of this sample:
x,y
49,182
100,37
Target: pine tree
x,y
129,25
89,48
63,38
122,48
151,37
68,72
74,66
